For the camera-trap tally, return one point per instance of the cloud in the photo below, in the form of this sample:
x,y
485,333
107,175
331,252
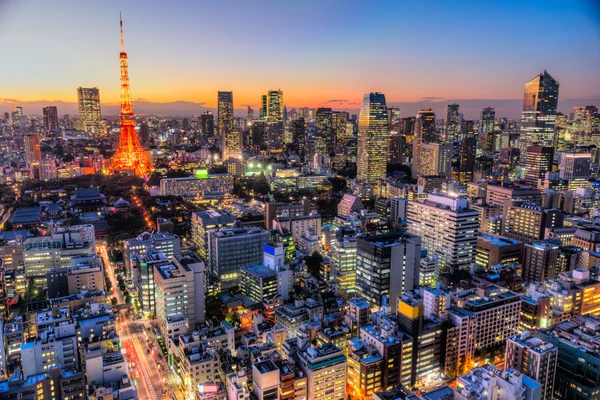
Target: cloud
x,y
431,98
337,101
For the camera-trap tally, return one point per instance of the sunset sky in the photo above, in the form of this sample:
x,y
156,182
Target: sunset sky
x,y
315,50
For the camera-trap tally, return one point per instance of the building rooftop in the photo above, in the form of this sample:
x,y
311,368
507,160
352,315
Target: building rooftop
x,y
582,333
260,271
497,240
534,344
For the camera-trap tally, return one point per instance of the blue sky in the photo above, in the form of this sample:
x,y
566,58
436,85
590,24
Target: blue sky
x,y
313,50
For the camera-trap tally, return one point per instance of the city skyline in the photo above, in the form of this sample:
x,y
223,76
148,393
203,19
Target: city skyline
x,y
303,60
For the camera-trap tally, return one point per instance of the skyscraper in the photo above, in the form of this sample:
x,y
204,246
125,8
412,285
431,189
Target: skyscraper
x,y
393,118
467,154
537,162
488,116
274,106
372,139
451,123
324,139
448,229
230,136
435,159
89,110
130,156
424,133
50,118
33,152
207,124
538,120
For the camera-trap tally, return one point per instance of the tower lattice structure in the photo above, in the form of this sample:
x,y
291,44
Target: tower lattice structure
x,y
130,156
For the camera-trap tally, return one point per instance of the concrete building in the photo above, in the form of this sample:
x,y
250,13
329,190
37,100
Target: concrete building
x,y
258,282
325,369
196,187
489,383
492,250
527,222
265,377
541,260
534,358
575,166
298,225
293,209
349,204
230,249
204,222
343,259
386,266
497,194
164,242
448,229
54,384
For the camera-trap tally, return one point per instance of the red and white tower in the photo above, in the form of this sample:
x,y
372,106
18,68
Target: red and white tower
x,y
130,156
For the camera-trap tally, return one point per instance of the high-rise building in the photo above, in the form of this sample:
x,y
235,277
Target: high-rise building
x,y
448,228
396,143
343,259
33,152
230,249
324,138
538,120
452,123
207,124
130,157
299,136
527,222
274,106
538,161
230,136
575,166
372,139
89,110
425,132
386,266
325,369
467,154
50,114
488,118
541,260
144,134
339,122
435,160
393,118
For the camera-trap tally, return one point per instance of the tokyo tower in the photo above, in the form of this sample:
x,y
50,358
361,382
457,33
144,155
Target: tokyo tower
x,y
130,156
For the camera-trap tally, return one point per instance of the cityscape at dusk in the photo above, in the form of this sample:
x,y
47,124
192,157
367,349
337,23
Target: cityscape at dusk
x,y
316,200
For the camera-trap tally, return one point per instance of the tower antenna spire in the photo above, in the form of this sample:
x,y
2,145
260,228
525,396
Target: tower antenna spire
x,y
122,39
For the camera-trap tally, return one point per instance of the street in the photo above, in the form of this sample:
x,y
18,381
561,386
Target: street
x,y
140,348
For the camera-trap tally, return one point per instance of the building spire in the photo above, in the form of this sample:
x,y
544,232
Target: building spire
x,y
122,38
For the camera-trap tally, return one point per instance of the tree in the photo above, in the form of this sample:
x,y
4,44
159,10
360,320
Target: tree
x,y
462,365
114,301
261,186
313,262
30,291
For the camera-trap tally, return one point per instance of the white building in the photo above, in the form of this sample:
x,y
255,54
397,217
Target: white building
x,y
325,369
448,229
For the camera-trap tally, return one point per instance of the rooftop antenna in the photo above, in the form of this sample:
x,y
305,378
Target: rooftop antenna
x,y
122,39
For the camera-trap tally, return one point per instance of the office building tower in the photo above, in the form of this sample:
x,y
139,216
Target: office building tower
x,y
425,132
467,154
51,349
33,152
452,122
230,249
207,124
386,266
396,143
497,194
538,120
258,282
575,375
50,115
164,242
492,250
274,106
393,118
339,124
435,160
538,161
325,369
230,135
448,229
535,358
203,222
324,139
488,118
527,222
343,259
89,110
144,134
299,137
575,166
540,261
372,139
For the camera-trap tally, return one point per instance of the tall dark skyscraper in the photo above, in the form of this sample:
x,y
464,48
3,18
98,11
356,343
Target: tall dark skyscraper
x,y
339,122
207,124
537,162
425,132
488,117
467,154
451,123
372,139
538,120
274,110
144,134
299,136
324,138
50,114
393,117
